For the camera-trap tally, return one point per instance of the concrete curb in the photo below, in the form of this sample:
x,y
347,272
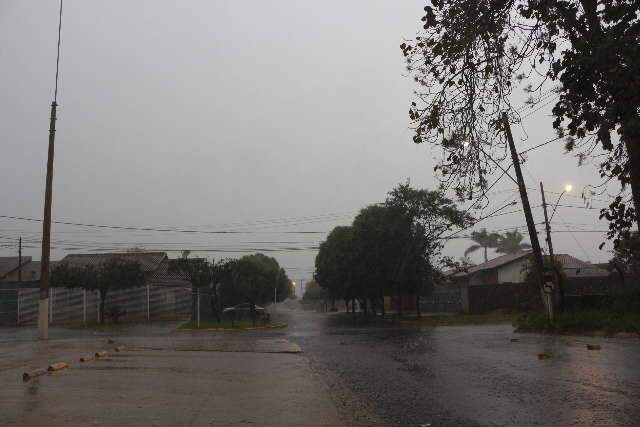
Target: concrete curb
x,y
58,366
254,328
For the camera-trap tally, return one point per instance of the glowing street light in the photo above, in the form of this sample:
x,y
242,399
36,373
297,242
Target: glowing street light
x,y
567,189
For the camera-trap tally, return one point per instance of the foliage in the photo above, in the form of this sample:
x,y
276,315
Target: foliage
x,y
484,240
622,314
202,274
257,276
626,257
313,292
511,242
334,261
470,55
111,275
392,248
386,254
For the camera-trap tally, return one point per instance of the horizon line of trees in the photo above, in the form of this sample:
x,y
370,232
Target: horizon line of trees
x,y
393,248
253,279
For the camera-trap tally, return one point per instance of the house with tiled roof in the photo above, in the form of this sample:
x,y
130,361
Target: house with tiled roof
x,y
166,295
154,265
513,268
29,271
500,283
10,265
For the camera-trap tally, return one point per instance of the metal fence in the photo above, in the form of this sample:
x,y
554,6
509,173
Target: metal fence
x,y
19,306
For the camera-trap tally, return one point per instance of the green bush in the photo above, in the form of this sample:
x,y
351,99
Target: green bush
x,y
621,314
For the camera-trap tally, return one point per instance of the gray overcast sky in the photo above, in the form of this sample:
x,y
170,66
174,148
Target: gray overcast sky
x,y
260,116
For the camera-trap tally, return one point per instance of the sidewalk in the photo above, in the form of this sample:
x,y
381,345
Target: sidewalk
x,y
164,381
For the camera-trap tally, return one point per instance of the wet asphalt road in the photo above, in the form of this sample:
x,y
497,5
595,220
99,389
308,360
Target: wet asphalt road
x,y
475,375
443,376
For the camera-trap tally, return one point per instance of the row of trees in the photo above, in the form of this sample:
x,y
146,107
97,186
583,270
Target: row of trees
x,y
113,274
392,248
254,279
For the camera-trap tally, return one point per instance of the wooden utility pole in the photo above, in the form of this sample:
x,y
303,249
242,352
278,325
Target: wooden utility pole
x,y
556,275
533,234
20,259
546,222
43,305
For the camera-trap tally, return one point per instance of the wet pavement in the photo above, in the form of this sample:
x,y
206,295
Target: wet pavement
x,y
476,375
346,375
161,377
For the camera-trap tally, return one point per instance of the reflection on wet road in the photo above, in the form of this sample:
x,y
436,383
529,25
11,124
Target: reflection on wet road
x,y
448,375
476,375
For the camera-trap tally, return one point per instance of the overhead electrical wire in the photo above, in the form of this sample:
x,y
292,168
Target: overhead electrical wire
x,y
155,229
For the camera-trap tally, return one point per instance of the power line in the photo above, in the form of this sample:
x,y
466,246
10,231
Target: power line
x,y
164,230
535,147
492,214
529,114
546,94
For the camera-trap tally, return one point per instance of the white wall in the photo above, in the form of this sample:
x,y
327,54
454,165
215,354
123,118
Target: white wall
x,y
514,272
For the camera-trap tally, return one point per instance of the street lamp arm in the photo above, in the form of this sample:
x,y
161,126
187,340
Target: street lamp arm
x,y
556,205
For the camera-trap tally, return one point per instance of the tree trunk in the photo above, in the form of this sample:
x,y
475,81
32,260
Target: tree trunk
x,y
103,298
418,314
486,258
632,143
346,304
382,309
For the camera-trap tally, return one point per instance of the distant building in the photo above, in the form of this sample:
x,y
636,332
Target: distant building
x,y
513,268
9,266
166,295
500,283
30,271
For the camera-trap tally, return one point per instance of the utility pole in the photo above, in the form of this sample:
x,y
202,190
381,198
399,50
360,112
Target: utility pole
x,y
533,234
556,276
43,305
20,259
546,222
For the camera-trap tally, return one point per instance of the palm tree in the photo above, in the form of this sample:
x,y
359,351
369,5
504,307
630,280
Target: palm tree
x,y
483,239
511,243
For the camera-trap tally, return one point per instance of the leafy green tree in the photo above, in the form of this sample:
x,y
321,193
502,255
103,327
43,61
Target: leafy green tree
x,y
383,248
256,277
283,285
202,274
483,240
430,215
333,264
626,257
313,292
113,274
511,242
470,55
